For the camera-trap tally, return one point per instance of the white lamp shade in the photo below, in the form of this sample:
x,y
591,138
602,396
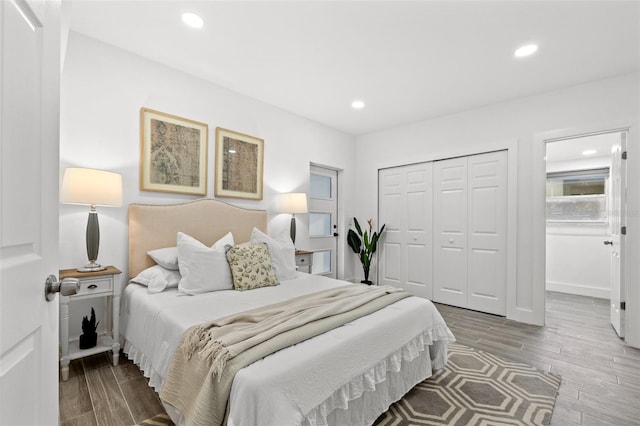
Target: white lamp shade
x,y
294,202
92,187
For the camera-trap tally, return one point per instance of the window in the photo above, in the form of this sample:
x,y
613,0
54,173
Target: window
x,y
577,196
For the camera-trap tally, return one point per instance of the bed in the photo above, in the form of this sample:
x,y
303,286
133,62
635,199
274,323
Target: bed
x,y
346,376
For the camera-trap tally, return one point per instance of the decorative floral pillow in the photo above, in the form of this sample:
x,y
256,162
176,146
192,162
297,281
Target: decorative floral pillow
x,y
250,266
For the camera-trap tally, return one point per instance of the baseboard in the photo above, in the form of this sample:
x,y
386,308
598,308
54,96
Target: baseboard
x,y
580,290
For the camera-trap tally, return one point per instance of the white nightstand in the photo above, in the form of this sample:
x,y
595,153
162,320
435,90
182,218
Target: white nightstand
x,y
92,285
304,259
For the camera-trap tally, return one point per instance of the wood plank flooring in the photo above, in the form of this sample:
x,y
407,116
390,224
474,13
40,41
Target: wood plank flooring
x,y
600,374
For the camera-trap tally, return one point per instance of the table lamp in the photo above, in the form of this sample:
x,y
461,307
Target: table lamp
x,y
293,202
94,188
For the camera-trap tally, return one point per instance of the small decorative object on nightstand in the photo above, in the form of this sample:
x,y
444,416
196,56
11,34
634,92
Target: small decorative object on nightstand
x,y
304,259
97,284
89,337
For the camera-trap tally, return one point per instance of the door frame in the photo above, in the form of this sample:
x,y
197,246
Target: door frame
x,y
539,216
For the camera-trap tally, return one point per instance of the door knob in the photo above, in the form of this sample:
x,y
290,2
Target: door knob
x,y
335,234
608,243
68,287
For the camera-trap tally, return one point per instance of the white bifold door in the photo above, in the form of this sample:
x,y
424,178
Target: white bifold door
x,y
405,207
470,232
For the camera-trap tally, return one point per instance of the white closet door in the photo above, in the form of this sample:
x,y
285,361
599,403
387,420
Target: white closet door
x,y
487,232
405,206
450,231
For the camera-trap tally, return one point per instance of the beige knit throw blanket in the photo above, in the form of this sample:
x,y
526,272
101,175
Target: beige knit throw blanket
x,y
202,369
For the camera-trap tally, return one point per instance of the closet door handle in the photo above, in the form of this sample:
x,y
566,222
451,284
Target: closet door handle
x,y
608,243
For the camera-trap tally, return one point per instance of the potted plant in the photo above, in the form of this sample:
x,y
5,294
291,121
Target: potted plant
x,y
89,337
364,244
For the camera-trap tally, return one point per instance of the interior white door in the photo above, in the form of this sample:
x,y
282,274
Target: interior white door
x,y
323,216
487,232
29,121
616,240
450,231
405,206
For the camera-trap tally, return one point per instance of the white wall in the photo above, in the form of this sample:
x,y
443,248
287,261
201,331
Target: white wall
x,y
103,89
585,106
578,262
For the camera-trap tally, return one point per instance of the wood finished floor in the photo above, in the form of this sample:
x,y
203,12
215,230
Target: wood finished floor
x,y
600,374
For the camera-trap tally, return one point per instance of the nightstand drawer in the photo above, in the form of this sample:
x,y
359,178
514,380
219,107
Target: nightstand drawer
x,y
303,259
95,286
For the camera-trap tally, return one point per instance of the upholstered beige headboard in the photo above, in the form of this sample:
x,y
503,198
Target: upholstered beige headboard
x,y
155,226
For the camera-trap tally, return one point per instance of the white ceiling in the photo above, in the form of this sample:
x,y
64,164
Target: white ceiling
x,y
408,61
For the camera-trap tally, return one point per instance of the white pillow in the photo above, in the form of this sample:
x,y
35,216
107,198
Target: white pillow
x,y
165,257
282,251
203,269
157,278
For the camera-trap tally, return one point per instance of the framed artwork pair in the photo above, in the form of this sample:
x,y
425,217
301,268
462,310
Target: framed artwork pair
x,y
173,158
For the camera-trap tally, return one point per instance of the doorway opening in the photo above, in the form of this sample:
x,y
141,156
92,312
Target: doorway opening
x,y
584,238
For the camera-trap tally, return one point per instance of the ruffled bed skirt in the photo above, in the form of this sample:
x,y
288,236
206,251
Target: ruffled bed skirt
x,y
365,397
361,400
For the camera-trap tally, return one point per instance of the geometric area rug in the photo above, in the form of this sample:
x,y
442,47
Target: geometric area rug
x,y
477,388
474,388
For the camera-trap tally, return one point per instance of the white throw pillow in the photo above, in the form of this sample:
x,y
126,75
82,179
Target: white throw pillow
x,y
203,269
157,278
282,251
166,257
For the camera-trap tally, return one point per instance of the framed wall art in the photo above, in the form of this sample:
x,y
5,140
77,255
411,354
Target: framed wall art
x,y
239,165
173,155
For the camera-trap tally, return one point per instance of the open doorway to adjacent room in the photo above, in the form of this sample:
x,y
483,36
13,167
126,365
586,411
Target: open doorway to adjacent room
x,y
585,246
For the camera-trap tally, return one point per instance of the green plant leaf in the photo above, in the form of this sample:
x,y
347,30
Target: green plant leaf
x,y
357,225
354,241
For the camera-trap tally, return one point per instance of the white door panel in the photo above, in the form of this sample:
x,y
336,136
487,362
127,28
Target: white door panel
x,y
617,213
29,117
323,213
450,230
487,232
450,278
405,207
392,256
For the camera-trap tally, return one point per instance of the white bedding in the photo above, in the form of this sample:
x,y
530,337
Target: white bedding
x,y
328,379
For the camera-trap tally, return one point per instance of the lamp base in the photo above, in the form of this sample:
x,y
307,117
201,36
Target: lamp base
x,y
292,229
92,267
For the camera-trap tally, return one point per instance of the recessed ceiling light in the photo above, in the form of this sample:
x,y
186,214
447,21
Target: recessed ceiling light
x,y
526,50
357,104
589,152
192,20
